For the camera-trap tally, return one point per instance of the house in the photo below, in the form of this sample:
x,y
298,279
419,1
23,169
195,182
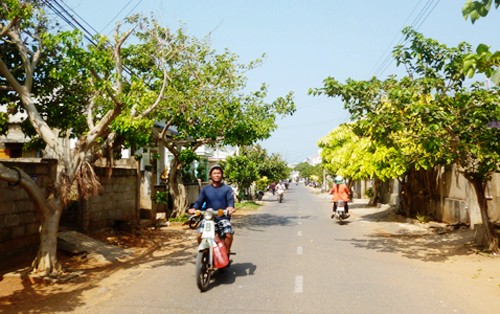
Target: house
x,y
12,144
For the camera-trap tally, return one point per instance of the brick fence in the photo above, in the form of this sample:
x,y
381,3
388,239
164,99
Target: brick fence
x,y
19,220
115,203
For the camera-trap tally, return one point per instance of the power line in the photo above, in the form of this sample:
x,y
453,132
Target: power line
x,y
76,14
419,20
391,45
428,13
128,13
388,60
72,21
61,12
69,21
117,14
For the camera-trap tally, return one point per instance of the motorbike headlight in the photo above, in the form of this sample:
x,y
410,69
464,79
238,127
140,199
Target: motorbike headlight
x,y
220,212
208,214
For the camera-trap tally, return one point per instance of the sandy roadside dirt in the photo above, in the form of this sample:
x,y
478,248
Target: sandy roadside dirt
x,y
450,252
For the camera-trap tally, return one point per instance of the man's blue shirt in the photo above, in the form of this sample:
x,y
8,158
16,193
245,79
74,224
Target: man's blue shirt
x,y
220,197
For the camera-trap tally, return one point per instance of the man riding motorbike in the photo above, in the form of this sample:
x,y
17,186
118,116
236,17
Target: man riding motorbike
x,y
280,189
217,195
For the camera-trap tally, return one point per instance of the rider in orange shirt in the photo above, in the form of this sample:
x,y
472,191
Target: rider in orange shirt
x,y
340,191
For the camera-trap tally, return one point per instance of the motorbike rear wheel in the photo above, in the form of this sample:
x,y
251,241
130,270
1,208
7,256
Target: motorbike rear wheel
x,y
202,270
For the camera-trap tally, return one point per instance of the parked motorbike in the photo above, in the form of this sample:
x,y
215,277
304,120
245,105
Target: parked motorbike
x,y
340,213
212,254
194,220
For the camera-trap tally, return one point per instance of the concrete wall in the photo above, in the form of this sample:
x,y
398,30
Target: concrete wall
x,y
115,203
19,220
147,189
458,201
193,190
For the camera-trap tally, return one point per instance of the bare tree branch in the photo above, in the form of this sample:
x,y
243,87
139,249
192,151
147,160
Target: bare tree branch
x,y
146,112
7,28
117,56
4,70
6,88
100,128
109,91
24,54
90,111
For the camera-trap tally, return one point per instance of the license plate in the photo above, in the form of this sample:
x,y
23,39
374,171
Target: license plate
x,y
209,230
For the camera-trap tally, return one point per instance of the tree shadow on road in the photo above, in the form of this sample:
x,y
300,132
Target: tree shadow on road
x,y
425,247
40,299
160,247
394,233
259,221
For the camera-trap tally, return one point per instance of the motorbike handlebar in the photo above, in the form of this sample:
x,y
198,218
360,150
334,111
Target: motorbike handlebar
x,y
219,212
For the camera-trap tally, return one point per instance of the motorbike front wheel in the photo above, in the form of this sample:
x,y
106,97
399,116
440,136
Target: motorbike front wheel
x,y
202,270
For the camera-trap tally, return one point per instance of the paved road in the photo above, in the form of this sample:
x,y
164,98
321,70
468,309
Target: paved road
x,y
291,258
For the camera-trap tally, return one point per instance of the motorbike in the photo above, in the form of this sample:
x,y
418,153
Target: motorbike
x,y
340,213
280,193
212,254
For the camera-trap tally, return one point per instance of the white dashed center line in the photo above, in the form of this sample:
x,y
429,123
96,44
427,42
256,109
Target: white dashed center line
x,y
300,250
299,284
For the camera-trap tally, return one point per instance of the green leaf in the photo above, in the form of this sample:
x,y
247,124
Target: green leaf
x,y
482,48
495,77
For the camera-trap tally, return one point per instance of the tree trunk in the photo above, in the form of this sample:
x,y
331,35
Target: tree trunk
x,y
374,199
46,262
407,194
491,237
176,189
425,192
50,210
432,188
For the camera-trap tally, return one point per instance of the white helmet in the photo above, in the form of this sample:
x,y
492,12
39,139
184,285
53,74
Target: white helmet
x,y
339,179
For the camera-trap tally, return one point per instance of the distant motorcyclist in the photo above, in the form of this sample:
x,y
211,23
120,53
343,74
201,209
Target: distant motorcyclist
x,y
340,191
272,187
280,190
280,187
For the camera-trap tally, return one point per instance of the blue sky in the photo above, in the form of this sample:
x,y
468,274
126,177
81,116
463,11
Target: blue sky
x,y
305,41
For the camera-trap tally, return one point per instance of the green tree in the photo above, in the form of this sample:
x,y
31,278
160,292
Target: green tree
x,y
458,120
483,61
83,102
429,116
306,170
207,104
273,167
477,9
242,171
359,158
